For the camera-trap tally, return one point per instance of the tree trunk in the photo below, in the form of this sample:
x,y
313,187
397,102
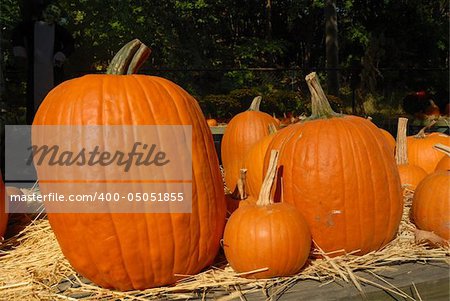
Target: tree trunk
x,y
269,19
332,49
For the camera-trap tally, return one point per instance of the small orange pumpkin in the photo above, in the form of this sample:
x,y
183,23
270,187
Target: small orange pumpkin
x,y
431,204
410,175
267,239
421,151
211,122
243,130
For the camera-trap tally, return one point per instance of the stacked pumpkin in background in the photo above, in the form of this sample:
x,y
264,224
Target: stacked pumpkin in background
x,y
243,130
421,151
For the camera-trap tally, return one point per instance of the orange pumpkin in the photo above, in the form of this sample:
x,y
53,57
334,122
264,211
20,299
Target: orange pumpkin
x,y
341,176
431,204
390,140
254,163
211,122
421,151
410,175
3,214
243,130
432,110
267,239
141,250
444,163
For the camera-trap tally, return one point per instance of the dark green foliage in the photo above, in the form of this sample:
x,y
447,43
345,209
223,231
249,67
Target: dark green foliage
x,y
275,102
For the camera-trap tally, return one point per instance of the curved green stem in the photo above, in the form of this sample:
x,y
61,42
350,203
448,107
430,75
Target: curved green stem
x,y
320,106
129,58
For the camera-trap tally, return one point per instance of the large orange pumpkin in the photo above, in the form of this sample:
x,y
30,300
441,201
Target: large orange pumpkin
x,y
254,163
421,151
410,175
3,214
142,250
431,204
444,163
243,130
339,172
265,240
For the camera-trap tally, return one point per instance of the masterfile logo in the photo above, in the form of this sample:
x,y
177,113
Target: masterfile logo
x,y
102,168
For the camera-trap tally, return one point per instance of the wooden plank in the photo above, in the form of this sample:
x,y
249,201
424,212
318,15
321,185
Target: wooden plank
x,y
431,281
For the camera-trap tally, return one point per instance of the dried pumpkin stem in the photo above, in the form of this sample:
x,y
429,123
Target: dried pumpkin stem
x,y
240,193
264,198
421,133
255,104
320,106
272,129
401,149
442,148
129,59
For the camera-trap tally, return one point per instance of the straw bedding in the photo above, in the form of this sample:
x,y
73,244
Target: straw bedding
x,y
32,267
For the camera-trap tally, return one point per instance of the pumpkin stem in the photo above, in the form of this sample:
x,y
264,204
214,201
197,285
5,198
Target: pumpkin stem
x,y
421,133
255,104
240,192
264,198
401,149
442,148
320,106
272,129
129,59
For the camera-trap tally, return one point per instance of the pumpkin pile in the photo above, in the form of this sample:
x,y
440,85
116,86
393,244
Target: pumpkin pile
x,y
329,182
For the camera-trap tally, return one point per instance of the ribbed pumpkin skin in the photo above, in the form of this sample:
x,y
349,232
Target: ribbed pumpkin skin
x,y
138,251
254,163
443,164
422,153
389,138
3,215
278,239
431,204
411,175
244,130
341,175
